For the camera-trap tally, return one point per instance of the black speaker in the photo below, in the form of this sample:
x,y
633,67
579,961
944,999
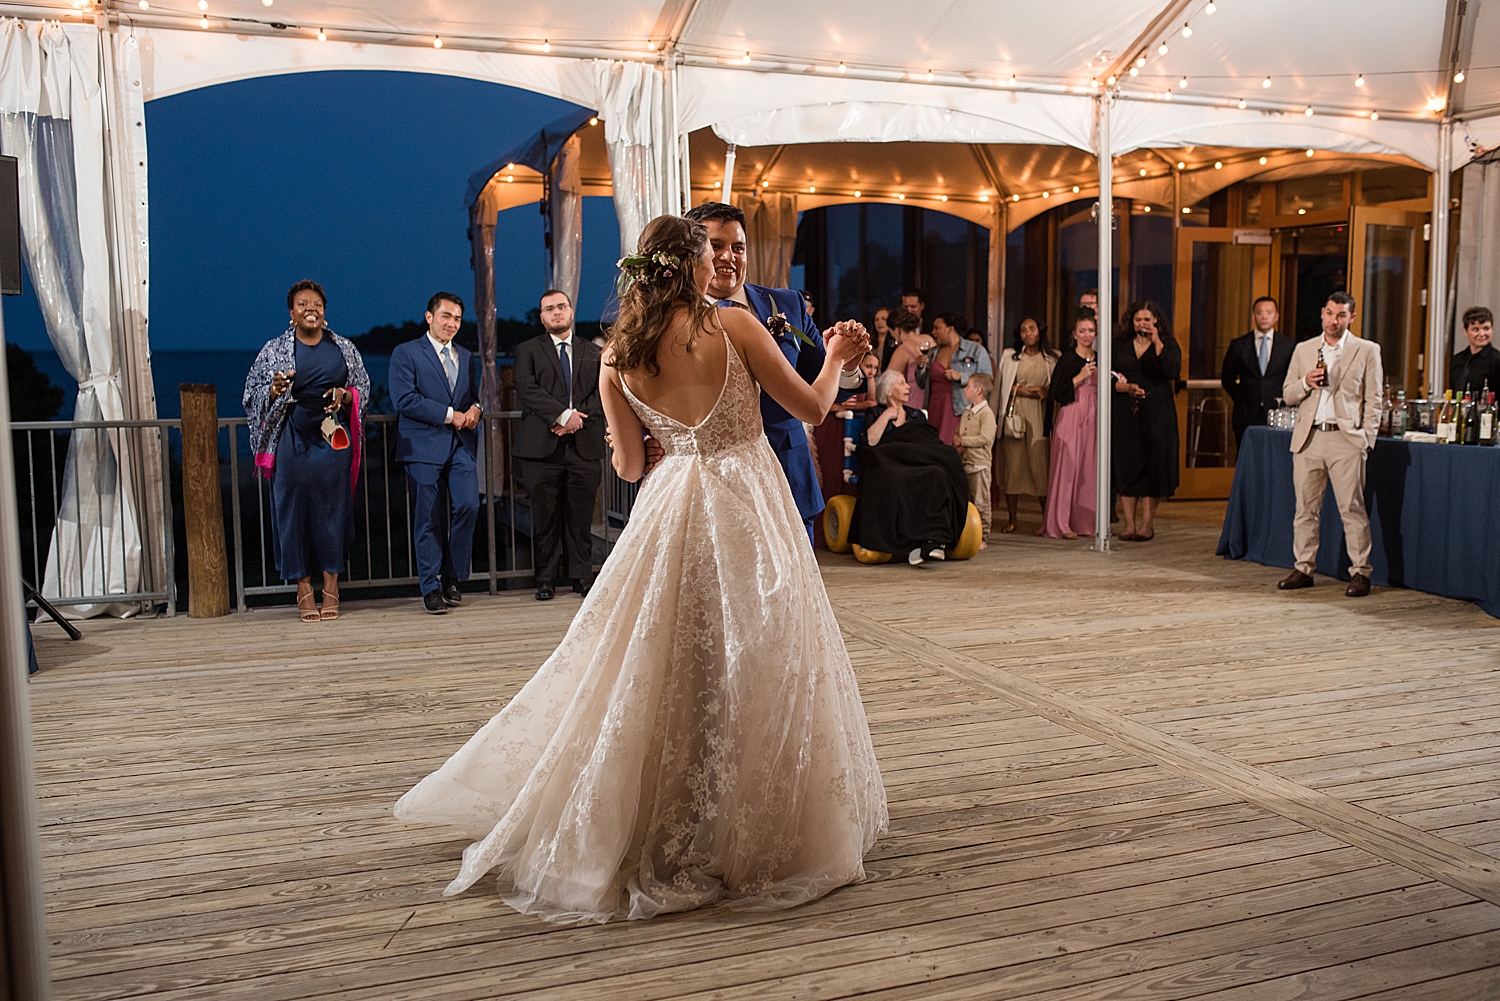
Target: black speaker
x,y
10,227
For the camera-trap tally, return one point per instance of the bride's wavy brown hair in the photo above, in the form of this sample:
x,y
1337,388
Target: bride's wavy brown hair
x,y
648,307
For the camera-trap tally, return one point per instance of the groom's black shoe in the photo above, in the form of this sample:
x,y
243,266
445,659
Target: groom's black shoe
x,y
452,596
582,587
434,603
544,592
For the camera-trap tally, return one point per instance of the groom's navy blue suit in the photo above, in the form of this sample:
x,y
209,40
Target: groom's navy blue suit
x,y
436,453
785,433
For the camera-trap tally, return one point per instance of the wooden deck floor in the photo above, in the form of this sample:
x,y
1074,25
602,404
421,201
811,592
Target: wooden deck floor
x,y
1145,775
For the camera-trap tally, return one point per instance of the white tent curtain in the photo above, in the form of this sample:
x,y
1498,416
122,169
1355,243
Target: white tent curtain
x,y
771,229
565,207
632,101
53,119
1478,240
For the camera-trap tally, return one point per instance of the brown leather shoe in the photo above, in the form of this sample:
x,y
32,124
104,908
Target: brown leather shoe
x,y
1295,580
1359,586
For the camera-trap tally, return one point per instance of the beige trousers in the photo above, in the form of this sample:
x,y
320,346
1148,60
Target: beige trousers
x,y
979,493
1337,458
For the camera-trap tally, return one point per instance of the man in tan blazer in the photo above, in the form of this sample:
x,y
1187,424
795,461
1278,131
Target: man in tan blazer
x,y
1338,416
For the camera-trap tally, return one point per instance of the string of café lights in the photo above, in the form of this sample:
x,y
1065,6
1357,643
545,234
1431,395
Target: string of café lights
x,y
1435,104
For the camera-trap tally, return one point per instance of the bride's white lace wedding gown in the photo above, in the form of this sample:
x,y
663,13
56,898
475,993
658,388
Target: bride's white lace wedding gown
x,y
698,734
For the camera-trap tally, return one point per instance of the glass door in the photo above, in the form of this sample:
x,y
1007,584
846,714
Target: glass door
x,y
1220,271
1386,269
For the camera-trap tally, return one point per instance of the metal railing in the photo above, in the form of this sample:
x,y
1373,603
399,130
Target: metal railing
x,y
93,516
384,551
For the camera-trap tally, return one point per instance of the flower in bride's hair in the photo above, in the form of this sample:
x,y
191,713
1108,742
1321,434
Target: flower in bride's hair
x,y
646,269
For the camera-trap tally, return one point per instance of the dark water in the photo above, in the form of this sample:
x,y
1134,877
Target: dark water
x,y
169,369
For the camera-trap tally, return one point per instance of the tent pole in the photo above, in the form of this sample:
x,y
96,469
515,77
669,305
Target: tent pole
x,y
1103,498
1437,272
23,935
728,187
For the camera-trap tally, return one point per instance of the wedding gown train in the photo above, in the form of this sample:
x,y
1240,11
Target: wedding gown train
x,y
697,736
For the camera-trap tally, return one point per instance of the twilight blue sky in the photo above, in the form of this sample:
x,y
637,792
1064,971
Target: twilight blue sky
x,y
355,179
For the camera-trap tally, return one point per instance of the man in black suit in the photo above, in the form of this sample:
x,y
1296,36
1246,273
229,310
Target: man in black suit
x,y
1255,367
560,444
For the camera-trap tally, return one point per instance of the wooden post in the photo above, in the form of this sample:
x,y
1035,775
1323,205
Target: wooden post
x,y
202,503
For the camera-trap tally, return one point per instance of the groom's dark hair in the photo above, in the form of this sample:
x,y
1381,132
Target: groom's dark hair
x,y
717,212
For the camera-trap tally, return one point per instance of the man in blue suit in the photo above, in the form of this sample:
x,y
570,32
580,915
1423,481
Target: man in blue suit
x,y
437,398
726,233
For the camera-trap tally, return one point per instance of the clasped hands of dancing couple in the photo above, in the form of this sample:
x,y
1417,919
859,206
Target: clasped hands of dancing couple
x,y
698,735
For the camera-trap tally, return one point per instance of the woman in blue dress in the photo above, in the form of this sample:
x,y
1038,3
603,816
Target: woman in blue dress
x,y
299,381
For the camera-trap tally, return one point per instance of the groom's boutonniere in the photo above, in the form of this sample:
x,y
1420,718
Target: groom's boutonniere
x,y
779,325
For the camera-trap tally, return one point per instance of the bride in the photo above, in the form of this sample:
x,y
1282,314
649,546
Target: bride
x,y
697,736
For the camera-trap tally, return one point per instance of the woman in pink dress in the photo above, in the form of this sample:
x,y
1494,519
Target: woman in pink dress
x,y
1075,394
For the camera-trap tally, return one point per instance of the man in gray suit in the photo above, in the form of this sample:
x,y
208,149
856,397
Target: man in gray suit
x,y
1334,381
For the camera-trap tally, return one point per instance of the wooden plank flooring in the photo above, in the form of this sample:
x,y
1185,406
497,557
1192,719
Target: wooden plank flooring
x,y
1141,775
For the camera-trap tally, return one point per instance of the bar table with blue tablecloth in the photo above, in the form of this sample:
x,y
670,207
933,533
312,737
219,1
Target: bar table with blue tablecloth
x,y
1434,515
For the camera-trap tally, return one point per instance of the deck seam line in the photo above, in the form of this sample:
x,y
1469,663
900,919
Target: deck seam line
x,y
1455,865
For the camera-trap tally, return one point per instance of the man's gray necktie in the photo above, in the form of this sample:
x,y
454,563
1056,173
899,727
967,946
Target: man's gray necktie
x,y
450,365
1265,353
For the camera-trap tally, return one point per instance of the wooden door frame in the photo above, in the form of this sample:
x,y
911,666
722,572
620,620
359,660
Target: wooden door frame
x,y
1416,331
1198,483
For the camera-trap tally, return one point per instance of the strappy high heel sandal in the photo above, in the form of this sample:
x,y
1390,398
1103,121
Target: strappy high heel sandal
x,y
307,604
330,605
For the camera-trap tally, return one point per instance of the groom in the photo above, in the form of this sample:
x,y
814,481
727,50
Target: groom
x,y
788,438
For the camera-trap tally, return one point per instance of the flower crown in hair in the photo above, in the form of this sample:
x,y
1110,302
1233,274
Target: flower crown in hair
x,y
647,269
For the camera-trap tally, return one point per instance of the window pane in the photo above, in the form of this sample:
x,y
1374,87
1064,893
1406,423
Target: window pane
x,y
1393,184
1311,194
1388,263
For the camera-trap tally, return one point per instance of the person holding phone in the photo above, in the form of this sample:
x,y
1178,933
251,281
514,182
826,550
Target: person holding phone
x,y
304,398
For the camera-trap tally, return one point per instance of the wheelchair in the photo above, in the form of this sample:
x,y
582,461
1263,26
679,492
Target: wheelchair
x,y
839,514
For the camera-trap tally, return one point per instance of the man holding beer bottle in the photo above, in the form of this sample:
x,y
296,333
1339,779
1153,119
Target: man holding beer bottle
x,y
1335,382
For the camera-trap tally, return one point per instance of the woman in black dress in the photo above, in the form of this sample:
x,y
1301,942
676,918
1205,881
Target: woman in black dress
x,y
1145,418
913,493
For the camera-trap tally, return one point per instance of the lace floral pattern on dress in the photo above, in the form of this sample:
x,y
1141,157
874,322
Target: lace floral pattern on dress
x,y
697,736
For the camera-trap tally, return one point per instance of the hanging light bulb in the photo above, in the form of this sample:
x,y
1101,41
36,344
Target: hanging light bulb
x,y
203,4
322,35
1143,171
858,193
1015,198
1309,152
1218,165
1140,60
1308,111
1075,189
1262,161
1110,81
1135,71
1243,104
546,45
900,196
437,43
843,68
203,22
594,120
1359,81
745,59
1181,165
812,189
1212,8
942,198
1187,31
1436,102
1146,208
1182,84
1161,49
1458,77
929,76
1266,83
984,196
1166,95
145,4
1374,116
267,3
1012,79
1046,194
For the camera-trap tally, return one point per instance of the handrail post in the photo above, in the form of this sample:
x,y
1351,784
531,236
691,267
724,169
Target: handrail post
x,y
168,544
203,502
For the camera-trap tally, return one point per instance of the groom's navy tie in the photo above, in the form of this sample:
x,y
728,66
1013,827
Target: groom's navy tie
x,y
567,371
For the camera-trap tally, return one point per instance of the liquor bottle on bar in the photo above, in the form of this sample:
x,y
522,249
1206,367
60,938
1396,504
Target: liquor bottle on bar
x,y
1445,417
1384,429
1487,417
1398,415
1471,420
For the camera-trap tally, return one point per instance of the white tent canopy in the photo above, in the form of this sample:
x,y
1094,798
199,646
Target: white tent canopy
x,y
1417,80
